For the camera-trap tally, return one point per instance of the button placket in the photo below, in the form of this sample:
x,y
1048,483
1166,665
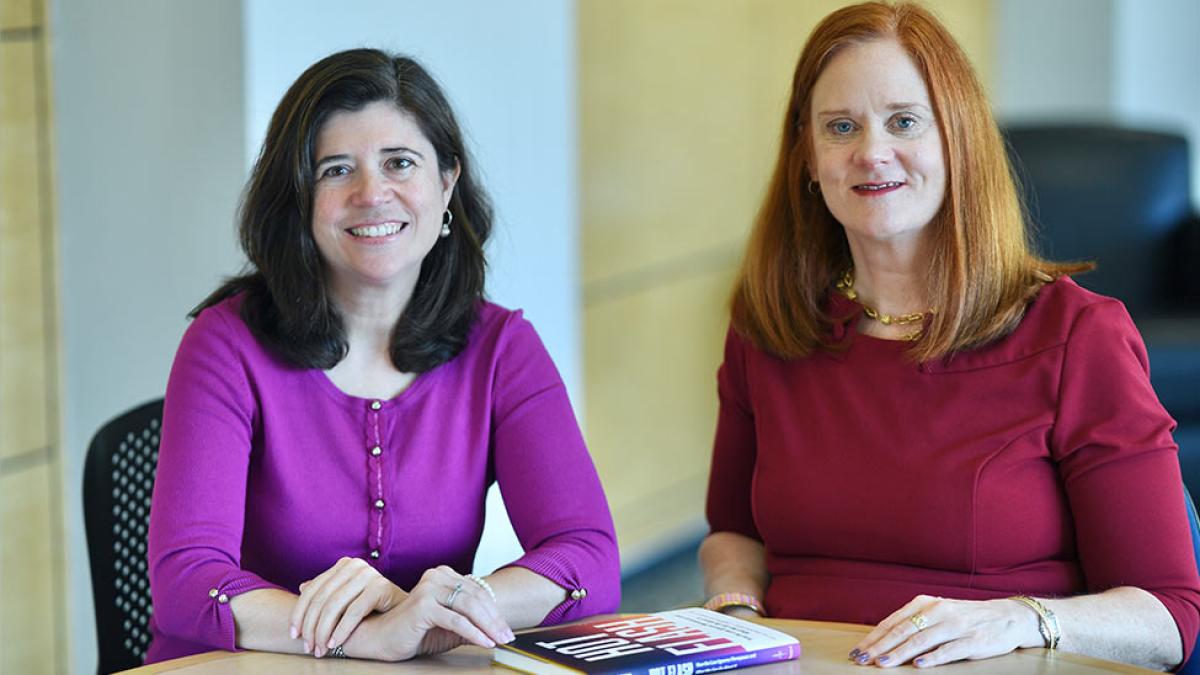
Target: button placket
x,y
374,447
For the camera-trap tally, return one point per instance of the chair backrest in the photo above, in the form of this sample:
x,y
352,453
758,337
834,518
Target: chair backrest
x,y
118,479
1192,666
1120,197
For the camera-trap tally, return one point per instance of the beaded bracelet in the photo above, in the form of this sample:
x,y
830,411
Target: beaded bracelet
x,y
483,584
722,600
1047,622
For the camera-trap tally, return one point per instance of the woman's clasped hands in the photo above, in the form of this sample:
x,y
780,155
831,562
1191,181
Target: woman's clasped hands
x,y
930,631
352,606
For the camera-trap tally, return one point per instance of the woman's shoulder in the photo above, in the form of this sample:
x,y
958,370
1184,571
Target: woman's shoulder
x,y
222,318
1060,312
1060,305
497,326
220,326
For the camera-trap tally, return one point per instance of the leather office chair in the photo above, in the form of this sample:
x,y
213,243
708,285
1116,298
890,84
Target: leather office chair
x,y
118,479
1122,198
1192,666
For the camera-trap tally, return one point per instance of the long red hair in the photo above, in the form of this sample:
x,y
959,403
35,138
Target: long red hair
x,y
982,271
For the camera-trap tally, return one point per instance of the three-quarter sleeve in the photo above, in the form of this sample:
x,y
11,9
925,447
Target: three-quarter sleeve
x,y
197,511
549,484
728,506
1119,465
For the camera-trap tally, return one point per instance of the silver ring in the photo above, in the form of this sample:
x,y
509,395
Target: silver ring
x,y
453,594
920,621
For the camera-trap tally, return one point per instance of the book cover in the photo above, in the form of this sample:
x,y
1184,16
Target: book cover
x,y
690,641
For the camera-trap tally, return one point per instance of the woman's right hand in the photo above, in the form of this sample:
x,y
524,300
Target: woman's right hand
x,y
432,618
333,604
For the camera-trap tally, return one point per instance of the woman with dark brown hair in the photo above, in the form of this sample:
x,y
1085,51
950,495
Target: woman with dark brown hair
x,y
923,425
335,416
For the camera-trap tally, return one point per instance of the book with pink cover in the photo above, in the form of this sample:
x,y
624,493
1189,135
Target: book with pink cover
x,y
690,641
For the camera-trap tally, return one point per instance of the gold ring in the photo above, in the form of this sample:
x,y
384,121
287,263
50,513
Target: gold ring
x,y
920,621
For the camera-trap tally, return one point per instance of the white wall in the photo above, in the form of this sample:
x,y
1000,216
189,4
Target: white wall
x,y
1133,62
1157,70
149,160
160,108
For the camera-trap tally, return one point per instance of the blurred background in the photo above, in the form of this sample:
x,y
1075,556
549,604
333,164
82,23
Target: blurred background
x,y
626,144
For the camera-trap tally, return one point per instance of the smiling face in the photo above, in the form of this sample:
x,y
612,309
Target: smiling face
x,y
877,151
378,198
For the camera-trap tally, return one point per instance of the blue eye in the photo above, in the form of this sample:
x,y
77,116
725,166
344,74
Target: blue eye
x,y
905,122
841,127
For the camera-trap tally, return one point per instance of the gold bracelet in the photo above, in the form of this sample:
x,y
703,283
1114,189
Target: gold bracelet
x,y
1047,622
722,600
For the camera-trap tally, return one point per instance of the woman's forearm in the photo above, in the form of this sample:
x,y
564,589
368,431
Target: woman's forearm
x,y
261,617
524,596
733,563
1121,624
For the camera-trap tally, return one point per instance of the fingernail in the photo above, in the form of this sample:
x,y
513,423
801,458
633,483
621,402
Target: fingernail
x,y
854,654
331,644
862,658
293,632
318,652
919,662
884,659
508,636
307,647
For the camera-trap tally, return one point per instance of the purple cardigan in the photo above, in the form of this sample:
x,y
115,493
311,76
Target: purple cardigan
x,y
268,474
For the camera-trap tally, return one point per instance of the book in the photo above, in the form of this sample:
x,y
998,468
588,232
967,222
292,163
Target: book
x,y
690,641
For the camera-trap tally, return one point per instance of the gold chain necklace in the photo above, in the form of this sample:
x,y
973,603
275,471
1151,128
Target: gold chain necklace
x,y
846,287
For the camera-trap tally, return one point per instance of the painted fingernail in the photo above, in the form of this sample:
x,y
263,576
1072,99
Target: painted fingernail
x,y
919,662
862,657
884,659
293,632
854,654
307,647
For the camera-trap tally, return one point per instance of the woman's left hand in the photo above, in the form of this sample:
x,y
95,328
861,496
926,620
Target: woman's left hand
x,y
931,631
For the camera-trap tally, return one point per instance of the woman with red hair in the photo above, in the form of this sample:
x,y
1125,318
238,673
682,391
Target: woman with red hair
x,y
923,425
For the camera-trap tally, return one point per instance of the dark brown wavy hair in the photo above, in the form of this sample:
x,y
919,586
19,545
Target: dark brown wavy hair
x,y
287,304
983,270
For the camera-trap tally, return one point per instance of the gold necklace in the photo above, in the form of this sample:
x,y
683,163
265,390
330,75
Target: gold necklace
x,y
846,287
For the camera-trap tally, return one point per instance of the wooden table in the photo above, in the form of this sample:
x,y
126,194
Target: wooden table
x,y
825,646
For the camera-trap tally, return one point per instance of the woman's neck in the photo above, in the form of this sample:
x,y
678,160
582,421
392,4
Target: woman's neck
x,y
890,277
369,316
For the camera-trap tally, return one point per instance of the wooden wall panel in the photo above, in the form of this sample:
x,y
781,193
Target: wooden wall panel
x,y
17,13
23,374
27,552
32,639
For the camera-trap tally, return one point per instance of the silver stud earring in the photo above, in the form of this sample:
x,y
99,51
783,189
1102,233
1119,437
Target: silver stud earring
x,y
447,218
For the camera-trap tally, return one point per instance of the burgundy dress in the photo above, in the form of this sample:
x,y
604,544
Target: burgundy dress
x,y
1041,464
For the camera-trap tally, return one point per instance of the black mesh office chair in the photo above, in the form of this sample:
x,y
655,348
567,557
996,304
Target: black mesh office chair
x,y
118,478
